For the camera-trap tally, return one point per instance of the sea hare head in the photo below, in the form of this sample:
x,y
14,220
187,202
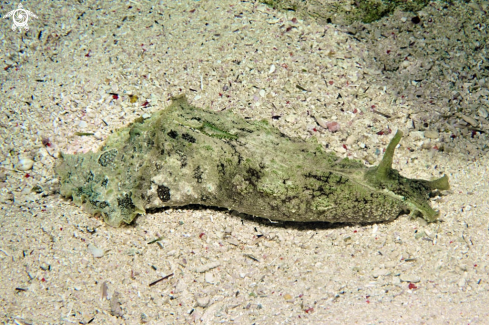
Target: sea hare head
x,y
415,192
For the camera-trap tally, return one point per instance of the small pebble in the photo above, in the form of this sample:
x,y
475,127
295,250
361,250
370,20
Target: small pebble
x,y
379,272
468,119
351,140
209,277
98,135
431,134
419,234
203,301
272,68
333,126
462,282
45,267
322,123
24,164
83,124
96,252
410,278
483,112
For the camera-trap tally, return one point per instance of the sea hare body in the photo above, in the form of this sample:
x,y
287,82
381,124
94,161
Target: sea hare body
x,y
185,155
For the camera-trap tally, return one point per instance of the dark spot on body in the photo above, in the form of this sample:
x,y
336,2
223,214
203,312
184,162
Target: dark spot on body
x,y
198,174
221,168
173,134
163,193
252,176
107,157
158,166
125,203
100,204
182,157
89,177
188,137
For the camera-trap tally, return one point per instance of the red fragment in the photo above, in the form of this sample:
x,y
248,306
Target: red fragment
x,y
380,133
87,55
355,231
333,126
192,11
43,280
309,310
146,103
27,175
412,286
355,111
284,65
345,147
294,20
220,95
331,82
202,234
388,51
115,96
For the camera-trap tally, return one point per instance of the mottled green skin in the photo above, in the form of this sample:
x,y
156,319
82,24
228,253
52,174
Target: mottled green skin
x,y
184,155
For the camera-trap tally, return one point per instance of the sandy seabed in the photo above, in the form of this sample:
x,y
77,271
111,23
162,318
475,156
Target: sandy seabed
x,y
90,67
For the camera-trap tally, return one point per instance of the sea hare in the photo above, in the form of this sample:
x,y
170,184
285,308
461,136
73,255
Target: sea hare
x,y
184,155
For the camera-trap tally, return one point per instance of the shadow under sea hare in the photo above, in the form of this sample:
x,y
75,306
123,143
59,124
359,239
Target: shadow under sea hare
x,y
185,155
